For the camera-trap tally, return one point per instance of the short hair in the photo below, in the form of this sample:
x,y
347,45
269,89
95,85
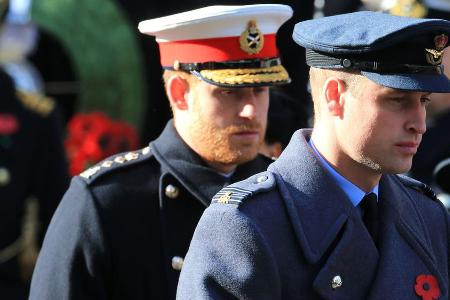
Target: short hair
x,y
167,74
318,76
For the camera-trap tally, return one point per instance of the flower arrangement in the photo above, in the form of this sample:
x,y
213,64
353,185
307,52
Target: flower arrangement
x,y
93,137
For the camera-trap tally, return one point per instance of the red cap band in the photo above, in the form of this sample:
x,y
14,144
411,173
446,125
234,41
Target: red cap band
x,y
212,50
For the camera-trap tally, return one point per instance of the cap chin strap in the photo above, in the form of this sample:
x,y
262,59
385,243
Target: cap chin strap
x,y
318,60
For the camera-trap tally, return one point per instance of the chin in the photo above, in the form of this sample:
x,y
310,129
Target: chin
x,y
399,168
246,155
247,158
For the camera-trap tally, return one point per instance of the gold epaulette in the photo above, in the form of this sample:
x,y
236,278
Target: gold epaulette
x,y
39,104
115,162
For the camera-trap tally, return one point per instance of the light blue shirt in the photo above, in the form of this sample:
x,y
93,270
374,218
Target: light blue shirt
x,y
354,193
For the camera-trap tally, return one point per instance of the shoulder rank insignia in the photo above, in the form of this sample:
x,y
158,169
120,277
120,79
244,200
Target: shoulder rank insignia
x,y
39,104
115,161
237,192
252,40
418,186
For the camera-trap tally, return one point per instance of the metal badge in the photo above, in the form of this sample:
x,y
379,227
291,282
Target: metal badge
x,y
91,171
131,156
146,150
172,191
120,159
252,40
177,263
336,282
261,179
176,65
107,164
434,56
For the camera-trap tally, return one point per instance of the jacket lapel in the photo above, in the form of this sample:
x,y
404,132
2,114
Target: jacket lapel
x,y
322,216
404,244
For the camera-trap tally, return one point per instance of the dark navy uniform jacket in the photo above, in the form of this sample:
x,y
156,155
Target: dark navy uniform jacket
x,y
122,222
32,164
291,233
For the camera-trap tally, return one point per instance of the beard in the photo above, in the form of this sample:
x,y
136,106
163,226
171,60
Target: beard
x,y
216,144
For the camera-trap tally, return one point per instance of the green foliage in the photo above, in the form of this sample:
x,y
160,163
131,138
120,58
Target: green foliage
x,y
104,51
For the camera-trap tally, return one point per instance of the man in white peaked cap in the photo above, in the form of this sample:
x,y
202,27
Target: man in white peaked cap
x,y
125,224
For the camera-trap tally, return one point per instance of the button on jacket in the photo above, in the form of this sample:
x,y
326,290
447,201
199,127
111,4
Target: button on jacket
x,y
297,236
124,226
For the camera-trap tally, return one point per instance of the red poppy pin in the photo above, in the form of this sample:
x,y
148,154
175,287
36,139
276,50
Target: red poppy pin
x,y
8,124
427,287
440,41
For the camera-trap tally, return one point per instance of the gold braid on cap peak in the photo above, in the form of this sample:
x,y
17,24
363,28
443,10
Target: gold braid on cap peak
x,y
242,76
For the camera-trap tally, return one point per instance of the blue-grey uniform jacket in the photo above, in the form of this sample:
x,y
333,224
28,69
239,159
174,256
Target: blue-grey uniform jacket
x,y
291,233
124,225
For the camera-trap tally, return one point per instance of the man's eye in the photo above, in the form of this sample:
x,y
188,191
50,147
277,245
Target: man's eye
x,y
227,92
425,100
259,90
398,99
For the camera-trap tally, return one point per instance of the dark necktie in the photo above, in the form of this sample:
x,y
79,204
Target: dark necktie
x,y
370,214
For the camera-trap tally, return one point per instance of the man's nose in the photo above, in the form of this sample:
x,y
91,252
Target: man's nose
x,y
417,123
249,108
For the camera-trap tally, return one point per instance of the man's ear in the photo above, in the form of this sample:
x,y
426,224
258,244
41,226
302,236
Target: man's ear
x,y
177,92
334,89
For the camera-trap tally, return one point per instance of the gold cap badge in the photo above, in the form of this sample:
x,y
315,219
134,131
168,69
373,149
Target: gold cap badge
x,y
251,40
434,56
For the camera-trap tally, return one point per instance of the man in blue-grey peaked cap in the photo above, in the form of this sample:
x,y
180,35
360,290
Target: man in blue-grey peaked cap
x,y
331,218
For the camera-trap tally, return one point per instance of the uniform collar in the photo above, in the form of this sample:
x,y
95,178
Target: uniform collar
x,y
318,208
177,158
354,193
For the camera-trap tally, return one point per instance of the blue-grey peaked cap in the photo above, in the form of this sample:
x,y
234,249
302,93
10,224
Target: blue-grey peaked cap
x,y
397,52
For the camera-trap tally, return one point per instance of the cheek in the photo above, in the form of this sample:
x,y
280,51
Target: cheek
x,y
263,107
209,109
263,111
360,131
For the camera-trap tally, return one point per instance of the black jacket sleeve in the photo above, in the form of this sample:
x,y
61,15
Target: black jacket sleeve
x,y
74,260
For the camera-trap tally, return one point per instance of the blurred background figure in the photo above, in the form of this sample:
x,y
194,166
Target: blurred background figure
x,y
33,171
441,177
284,117
17,41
